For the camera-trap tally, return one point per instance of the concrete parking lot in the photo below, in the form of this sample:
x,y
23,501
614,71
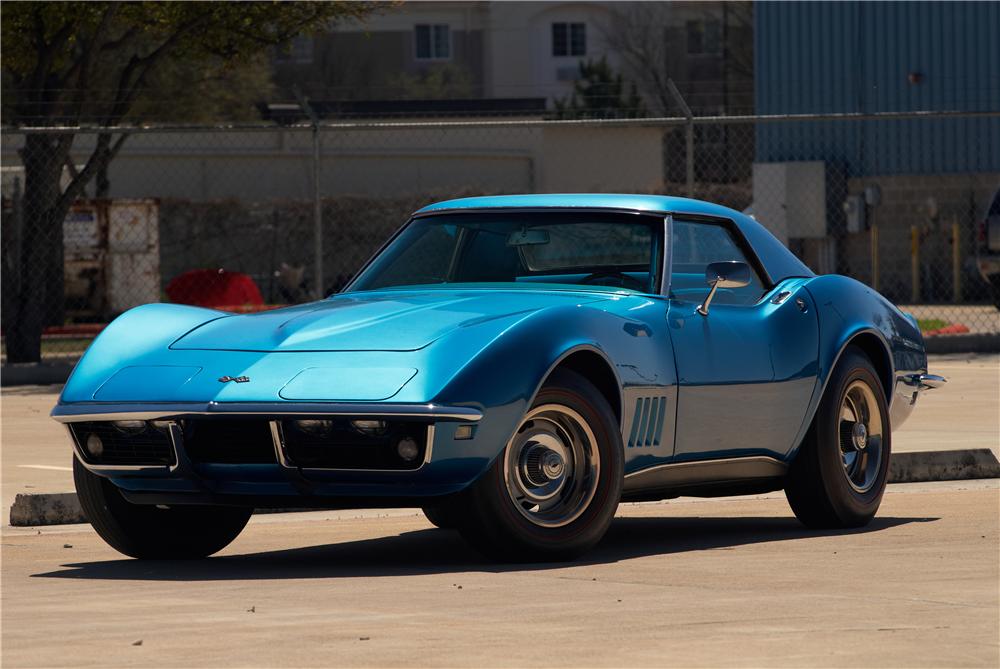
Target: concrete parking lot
x,y
725,582
730,582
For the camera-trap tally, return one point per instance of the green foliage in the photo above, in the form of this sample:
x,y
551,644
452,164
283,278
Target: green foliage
x,y
195,91
445,81
926,324
69,62
600,92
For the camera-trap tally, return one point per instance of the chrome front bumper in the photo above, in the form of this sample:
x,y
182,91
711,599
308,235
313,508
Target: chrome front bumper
x,y
73,413
922,382
76,413
908,389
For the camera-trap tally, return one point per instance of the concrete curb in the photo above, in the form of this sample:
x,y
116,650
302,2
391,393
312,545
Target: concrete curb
x,y
967,463
978,342
35,373
36,509
59,508
63,508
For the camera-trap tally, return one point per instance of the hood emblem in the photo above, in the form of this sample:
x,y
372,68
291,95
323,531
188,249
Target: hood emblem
x,y
237,379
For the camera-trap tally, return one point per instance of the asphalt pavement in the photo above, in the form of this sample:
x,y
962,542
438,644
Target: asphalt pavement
x,y
726,582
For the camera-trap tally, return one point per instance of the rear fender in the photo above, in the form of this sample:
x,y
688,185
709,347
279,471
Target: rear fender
x,y
853,313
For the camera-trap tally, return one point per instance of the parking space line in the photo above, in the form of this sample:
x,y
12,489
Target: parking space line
x,y
54,468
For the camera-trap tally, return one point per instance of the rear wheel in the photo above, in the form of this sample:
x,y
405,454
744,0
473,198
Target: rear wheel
x,y
840,472
153,532
553,492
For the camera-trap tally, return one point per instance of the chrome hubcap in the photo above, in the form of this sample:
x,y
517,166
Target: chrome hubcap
x,y
861,444
860,436
551,466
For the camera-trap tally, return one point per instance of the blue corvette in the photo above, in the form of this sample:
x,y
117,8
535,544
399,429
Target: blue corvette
x,y
515,366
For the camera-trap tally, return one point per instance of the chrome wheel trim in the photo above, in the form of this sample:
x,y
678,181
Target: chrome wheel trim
x,y
860,436
551,466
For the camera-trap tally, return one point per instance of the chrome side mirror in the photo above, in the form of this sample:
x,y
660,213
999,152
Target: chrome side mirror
x,y
729,274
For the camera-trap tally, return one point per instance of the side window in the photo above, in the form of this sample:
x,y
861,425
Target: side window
x,y
694,246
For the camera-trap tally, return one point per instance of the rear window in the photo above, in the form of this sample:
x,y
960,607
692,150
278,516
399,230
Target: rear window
x,y
592,245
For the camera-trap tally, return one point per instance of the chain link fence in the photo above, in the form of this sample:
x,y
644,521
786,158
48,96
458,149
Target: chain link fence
x,y
246,219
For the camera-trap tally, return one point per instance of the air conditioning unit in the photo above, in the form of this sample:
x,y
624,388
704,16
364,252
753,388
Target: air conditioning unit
x,y
568,73
789,199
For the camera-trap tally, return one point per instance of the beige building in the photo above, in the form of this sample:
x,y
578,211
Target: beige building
x,y
527,50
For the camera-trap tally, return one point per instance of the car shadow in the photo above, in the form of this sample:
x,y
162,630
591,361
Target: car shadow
x,y
433,551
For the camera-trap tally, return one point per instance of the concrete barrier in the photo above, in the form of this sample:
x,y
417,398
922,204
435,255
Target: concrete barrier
x,y
36,509
967,463
59,508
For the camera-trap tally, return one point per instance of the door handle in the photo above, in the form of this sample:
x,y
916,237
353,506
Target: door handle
x,y
781,297
784,295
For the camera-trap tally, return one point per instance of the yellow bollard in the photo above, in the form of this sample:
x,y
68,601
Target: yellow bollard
x,y
956,261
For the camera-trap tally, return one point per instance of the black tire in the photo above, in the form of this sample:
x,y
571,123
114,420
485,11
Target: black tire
x,y
819,487
443,515
154,533
492,522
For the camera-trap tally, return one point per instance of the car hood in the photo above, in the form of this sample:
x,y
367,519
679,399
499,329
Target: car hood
x,y
371,321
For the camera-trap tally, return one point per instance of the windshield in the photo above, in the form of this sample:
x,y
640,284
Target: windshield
x,y
567,248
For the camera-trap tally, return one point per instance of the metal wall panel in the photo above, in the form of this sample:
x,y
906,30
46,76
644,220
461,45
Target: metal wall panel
x,y
813,57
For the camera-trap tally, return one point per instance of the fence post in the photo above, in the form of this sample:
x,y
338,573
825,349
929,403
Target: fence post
x,y
914,264
17,204
319,291
874,250
688,136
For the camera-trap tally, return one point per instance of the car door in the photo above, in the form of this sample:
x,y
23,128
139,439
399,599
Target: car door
x,y
747,370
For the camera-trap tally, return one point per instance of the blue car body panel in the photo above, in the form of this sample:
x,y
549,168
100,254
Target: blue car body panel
x,y
742,382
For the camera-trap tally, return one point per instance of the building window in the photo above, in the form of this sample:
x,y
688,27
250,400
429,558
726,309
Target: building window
x,y
569,39
704,38
433,41
298,50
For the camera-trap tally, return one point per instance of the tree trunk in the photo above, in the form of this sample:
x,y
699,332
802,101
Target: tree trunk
x,y
102,187
38,292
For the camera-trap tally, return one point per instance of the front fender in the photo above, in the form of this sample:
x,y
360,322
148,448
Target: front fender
x,y
505,376
137,332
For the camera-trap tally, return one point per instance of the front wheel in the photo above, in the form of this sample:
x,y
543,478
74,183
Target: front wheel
x,y
443,515
553,492
840,473
153,532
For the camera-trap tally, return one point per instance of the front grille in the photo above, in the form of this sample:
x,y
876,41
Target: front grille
x,y
338,445
146,445
229,441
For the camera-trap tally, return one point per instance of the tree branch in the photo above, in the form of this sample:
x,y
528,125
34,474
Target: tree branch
x,y
127,90
111,45
98,157
36,93
85,61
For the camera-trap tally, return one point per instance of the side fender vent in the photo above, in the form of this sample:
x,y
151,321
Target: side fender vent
x,y
647,422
